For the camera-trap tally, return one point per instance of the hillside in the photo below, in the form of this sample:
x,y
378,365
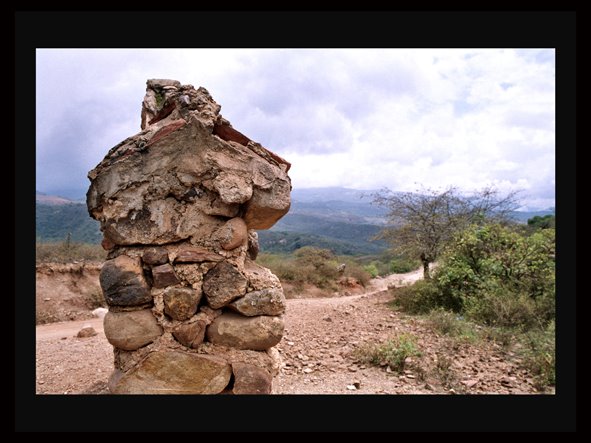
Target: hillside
x,y
342,220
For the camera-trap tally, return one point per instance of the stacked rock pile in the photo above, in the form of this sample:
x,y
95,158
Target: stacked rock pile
x,y
190,311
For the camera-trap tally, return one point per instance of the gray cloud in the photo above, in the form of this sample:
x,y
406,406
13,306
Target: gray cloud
x,y
356,118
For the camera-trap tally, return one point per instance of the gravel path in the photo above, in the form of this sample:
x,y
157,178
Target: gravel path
x,y
317,349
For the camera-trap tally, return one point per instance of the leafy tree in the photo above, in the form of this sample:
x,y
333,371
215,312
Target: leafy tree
x,y
542,222
423,223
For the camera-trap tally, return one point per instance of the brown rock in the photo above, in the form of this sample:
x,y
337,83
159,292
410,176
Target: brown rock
x,y
256,333
223,284
264,302
249,379
164,276
192,334
181,303
268,205
171,181
107,244
155,256
131,330
174,372
253,244
86,331
123,283
196,254
232,234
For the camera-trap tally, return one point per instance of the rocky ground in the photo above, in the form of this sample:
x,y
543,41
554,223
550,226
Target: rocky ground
x,y
318,351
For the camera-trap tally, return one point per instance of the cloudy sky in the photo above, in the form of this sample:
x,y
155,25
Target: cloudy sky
x,y
357,118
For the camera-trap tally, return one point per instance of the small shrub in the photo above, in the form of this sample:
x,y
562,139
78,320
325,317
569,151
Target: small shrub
x,y
451,324
403,265
539,356
95,300
392,353
443,370
371,269
420,298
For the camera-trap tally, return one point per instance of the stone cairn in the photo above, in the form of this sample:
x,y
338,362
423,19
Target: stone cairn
x,y
190,311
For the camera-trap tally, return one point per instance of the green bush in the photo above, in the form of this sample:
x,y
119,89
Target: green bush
x,y
392,353
403,265
422,297
492,275
451,324
539,355
371,269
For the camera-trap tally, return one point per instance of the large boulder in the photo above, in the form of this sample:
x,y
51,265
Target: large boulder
x,y
174,372
185,174
256,333
131,330
123,283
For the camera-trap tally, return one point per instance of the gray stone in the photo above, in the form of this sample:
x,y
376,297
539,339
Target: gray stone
x,y
174,372
223,284
264,302
249,379
123,283
131,330
190,334
164,276
235,330
155,256
181,303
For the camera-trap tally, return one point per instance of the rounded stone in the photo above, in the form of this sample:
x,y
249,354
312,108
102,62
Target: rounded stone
x,y
123,283
234,233
256,333
132,329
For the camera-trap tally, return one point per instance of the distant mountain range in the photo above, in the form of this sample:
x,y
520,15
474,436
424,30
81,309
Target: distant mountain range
x,y
340,219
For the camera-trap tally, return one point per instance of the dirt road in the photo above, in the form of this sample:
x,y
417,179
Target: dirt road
x,y
318,353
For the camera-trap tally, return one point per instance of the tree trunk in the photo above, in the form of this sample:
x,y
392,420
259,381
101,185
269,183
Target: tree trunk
x,y
426,274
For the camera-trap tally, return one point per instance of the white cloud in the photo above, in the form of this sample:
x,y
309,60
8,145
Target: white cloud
x,y
359,118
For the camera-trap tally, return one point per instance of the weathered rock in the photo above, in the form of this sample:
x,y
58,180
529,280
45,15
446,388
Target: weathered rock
x,y
232,234
164,276
256,333
253,244
174,372
259,277
196,254
181,303
155,256
264,302
249,379
223,284
123,283
268,205
131,330
192,334
174,179
86,331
